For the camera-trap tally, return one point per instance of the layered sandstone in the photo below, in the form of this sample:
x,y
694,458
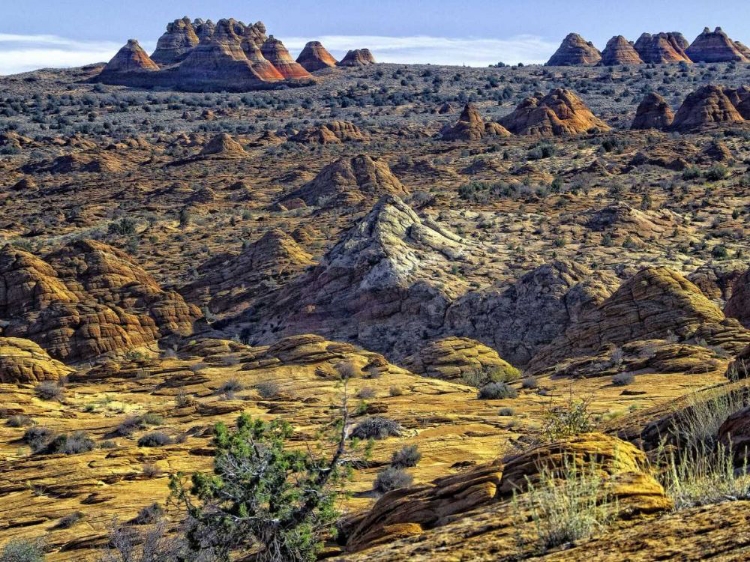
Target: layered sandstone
x,y
454,358
471,126
714,46
223,146
334,132
653,113
358,57
179,39
274,51
131,58
23,361
316,57
575,51
560,112
620,51
662,48
706,107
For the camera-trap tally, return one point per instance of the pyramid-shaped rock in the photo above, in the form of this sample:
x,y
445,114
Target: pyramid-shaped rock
x,y
258,62
714,46
358,57
131,58
223,146
315,57
653,113
560,112
575,51
179,39
350,181
620,51
471,127
662,48
274,51
708,106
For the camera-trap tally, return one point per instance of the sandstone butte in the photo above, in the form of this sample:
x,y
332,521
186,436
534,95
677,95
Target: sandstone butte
x,y
131,58
662,48
653,113
574,51
315,57
620,51
715,46
471,126
178,40
275,52
358,57
706,107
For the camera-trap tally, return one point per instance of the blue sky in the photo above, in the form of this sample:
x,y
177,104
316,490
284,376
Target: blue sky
x,y
35,33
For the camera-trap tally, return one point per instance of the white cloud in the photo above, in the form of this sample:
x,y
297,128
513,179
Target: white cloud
x,y
528,49
22,53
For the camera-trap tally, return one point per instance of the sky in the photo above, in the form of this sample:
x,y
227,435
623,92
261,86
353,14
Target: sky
x,y
64,33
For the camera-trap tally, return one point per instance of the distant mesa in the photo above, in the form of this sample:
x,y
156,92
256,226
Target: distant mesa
x,y
276,53
620,51
715,46
471,127
662,48
315,57
575,51
560,112
179,39
653,113
708,106
358,57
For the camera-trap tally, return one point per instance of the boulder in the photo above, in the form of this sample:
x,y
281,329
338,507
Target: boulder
x,y
274,51
714,46
358,57
653,113
575,51
179,39
471,127
620,51
560,112
662,48
706,107
315,57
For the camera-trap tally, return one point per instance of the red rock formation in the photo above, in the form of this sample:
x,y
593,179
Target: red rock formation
x,y
471,126
275,52
742,48
575,51
131,58
620,51
334,132
707,106
315,57
560,112
223,146
714,46
179,39
258,62
740,98
358,57
653,113
662,48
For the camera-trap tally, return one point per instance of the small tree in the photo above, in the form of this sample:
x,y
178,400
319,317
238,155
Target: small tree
x,y
264,500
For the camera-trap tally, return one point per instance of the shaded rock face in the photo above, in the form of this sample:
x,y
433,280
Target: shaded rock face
x,y
707,106
375,287
620,51
714,46
662,48
230,281
23,361
743,49
655,304
358,57
740,98
734,434
315,57
223,146
653,113
520,319
179,39
204,29
334,132
560,112
471,127
575,51
738,305
274,51
350,181
131,58
86,299
452,358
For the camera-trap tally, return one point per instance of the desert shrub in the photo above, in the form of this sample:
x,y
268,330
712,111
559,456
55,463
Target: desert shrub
x,y
497,391
150,470
392,479
131,424
529,383
623,379
572,418
267,389
155,439
366,393
69,520
490,373
376,428
230,387
20,420
150,544
396,391
74,444
20,550
691,173
506,412
567,505
38,437
149,515
49,390
697,425
406,457
717,172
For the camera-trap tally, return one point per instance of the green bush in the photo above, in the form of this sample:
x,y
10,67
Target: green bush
x,y
22,551
497,391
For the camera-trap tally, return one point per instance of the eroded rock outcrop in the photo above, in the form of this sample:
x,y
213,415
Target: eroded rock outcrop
x,y
653,113
274,52
560,112
471,126
223,146
706,107
131,58
714,46
334,132
575,51
738,305
620,51
452,358
316,57
662,48
350,181
23,361
86,299
179,39
358,57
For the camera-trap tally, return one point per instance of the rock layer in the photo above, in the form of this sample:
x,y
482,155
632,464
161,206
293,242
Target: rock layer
x,y
620,51
274,51
131,58
560,112
653,113
23,361
315,57
708,106
358,57
662,48
575,51
714,46
179,39
471,126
